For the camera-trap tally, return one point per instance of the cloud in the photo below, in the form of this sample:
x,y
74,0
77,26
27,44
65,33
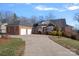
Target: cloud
x,y
44,8
61,10
73,7
27,3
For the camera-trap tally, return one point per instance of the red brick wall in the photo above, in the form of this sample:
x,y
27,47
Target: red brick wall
x,y
13,30
68,31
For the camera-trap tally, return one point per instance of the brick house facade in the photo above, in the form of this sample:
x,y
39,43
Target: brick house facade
x,y
20,27
18,30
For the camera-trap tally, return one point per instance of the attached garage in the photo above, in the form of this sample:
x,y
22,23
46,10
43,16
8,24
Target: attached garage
x,y
20,27
19,30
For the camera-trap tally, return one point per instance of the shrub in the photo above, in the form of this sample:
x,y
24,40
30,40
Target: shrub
x,y
77,37
53,33
56,33
73,36
59,33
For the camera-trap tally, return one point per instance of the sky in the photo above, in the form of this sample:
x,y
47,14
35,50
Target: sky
x,y
59,10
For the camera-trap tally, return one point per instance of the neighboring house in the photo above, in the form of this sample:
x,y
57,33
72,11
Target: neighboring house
x,y
3,27
60,23
67,31
42,28
48,26
19,28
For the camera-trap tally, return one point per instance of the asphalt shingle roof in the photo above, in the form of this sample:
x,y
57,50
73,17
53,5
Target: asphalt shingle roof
x,y
21,22
58,22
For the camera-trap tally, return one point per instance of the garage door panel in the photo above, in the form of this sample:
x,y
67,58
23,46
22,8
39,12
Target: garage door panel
x,y
29,31
23,32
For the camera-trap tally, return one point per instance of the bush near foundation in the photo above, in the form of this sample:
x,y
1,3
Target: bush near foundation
x,y
56,33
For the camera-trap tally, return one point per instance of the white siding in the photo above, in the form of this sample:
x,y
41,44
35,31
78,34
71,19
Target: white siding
x,y
3,29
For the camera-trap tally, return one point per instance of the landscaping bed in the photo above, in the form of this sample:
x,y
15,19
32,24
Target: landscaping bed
x,y
69,43
11,47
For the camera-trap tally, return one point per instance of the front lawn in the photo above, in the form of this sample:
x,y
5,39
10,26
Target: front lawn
x,y
69,43
11,47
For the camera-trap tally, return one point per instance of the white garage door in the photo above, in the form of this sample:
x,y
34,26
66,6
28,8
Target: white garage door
x,y
23,32
29,31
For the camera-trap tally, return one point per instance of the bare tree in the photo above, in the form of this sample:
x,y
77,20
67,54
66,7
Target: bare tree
x,y
1,16
41,18
34,19
76,17
8,17
14,18
50,16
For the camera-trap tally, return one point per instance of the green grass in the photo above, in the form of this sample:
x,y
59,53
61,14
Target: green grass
x,y
71,44
12,48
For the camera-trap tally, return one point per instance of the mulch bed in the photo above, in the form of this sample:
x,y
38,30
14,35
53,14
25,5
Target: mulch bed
x,y
4,40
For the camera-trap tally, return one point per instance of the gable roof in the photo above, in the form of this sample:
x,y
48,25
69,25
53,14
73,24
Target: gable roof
x,y
21,22
57,22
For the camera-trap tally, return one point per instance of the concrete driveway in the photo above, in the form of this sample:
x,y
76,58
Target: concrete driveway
x,y
41,45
